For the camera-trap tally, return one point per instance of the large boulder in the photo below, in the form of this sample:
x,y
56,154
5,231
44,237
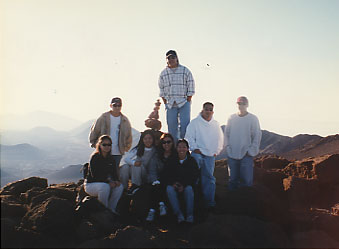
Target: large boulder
x,y
235,231
21,186
326,169
54,217
256,201
271,162
302,193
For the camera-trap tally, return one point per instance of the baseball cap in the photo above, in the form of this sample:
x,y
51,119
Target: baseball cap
x,y
171,52
242,99
116,100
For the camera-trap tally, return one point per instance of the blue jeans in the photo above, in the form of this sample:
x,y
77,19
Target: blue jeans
x,y
173,198
240,172
184,114
206,165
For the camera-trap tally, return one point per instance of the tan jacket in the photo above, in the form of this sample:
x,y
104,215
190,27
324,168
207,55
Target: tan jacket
x,y
102,126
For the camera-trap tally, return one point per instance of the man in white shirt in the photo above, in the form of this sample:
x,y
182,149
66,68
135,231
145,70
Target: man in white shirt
x,y
117,126
177,87
205,139
242,140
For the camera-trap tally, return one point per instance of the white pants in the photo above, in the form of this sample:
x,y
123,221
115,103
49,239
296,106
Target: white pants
x,y
138,174
106,195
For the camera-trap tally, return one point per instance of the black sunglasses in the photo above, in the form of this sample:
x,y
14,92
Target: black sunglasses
x,y
166,142
106,145
117,105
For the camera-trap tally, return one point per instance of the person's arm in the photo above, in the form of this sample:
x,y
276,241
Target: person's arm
x,y
190,136
190,85
129,137
95,132
131,156
162,89
256,137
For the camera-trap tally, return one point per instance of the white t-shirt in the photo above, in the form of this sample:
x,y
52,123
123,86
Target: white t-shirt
x,y
115,128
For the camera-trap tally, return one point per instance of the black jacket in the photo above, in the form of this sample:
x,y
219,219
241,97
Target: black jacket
x,y
186,173
102,169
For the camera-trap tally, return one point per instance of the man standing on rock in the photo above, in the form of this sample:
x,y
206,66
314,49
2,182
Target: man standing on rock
x,y
205,139
117,126
242,140
177,87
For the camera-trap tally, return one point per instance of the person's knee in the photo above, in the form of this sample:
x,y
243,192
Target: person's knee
x,y
170,189
189,189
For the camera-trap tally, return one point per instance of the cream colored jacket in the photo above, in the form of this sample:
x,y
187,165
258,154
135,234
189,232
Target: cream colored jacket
x,y
102,127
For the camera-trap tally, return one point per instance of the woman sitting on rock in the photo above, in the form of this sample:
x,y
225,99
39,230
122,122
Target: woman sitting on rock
x,y
180,177
138,160
166,154
102,179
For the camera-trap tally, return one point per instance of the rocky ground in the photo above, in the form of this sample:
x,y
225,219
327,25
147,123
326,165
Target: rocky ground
x,y
293,204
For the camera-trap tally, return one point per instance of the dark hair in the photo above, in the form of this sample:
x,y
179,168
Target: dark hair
x,y
141,146
161,148
99,142
207,103
180,141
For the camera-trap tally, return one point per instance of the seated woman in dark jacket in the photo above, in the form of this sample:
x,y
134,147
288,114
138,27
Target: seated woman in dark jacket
x,y
180,178
102,179
165,153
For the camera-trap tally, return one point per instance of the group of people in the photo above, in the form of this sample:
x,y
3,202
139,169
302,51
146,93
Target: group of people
x,y
182,161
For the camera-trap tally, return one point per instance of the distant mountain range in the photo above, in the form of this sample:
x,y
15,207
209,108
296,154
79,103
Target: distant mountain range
x,y
38,118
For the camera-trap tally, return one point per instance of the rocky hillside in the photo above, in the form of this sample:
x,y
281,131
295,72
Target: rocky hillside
x,y
293,204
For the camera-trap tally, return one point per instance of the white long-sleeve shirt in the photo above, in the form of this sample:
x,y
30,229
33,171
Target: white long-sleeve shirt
x,y
205,135
242,135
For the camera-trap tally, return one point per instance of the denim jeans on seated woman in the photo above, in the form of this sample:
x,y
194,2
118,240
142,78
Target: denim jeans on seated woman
x,y
189,200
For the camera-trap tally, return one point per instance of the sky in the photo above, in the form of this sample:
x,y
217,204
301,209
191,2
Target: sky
x,y
71,57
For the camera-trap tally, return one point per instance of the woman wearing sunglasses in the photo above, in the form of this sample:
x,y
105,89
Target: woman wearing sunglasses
x,y
165,155
102,179
180,178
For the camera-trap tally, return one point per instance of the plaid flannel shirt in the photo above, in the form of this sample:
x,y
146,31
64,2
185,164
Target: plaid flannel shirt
x,y
175,85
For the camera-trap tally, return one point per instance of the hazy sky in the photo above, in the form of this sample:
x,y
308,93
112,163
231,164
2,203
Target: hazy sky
x,y
72,56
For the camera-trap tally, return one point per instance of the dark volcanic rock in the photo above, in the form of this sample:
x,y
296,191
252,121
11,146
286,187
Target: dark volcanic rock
x,y
271,162
18,187
326,169
132,237
12,209
232,231
54,217
313,239
302,193
256,201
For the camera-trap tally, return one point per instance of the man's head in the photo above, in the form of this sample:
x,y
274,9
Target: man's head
x,y
116,104
207,111
172,59
242,102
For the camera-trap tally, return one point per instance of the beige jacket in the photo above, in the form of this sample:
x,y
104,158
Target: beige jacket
x,y
102,126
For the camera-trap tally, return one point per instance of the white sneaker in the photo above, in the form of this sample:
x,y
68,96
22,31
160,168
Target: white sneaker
x,y
181,218
150,216
190,219
162,210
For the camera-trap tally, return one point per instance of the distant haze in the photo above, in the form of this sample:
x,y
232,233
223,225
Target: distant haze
x,y
71,57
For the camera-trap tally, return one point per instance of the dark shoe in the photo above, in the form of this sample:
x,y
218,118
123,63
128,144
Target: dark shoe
x,y
134,188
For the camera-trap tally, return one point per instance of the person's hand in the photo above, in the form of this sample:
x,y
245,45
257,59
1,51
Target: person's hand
x,y
189,98
137,164
112,184
165,100
117,183
197,151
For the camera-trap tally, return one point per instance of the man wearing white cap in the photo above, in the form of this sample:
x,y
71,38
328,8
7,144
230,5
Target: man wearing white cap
x,y
242,140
